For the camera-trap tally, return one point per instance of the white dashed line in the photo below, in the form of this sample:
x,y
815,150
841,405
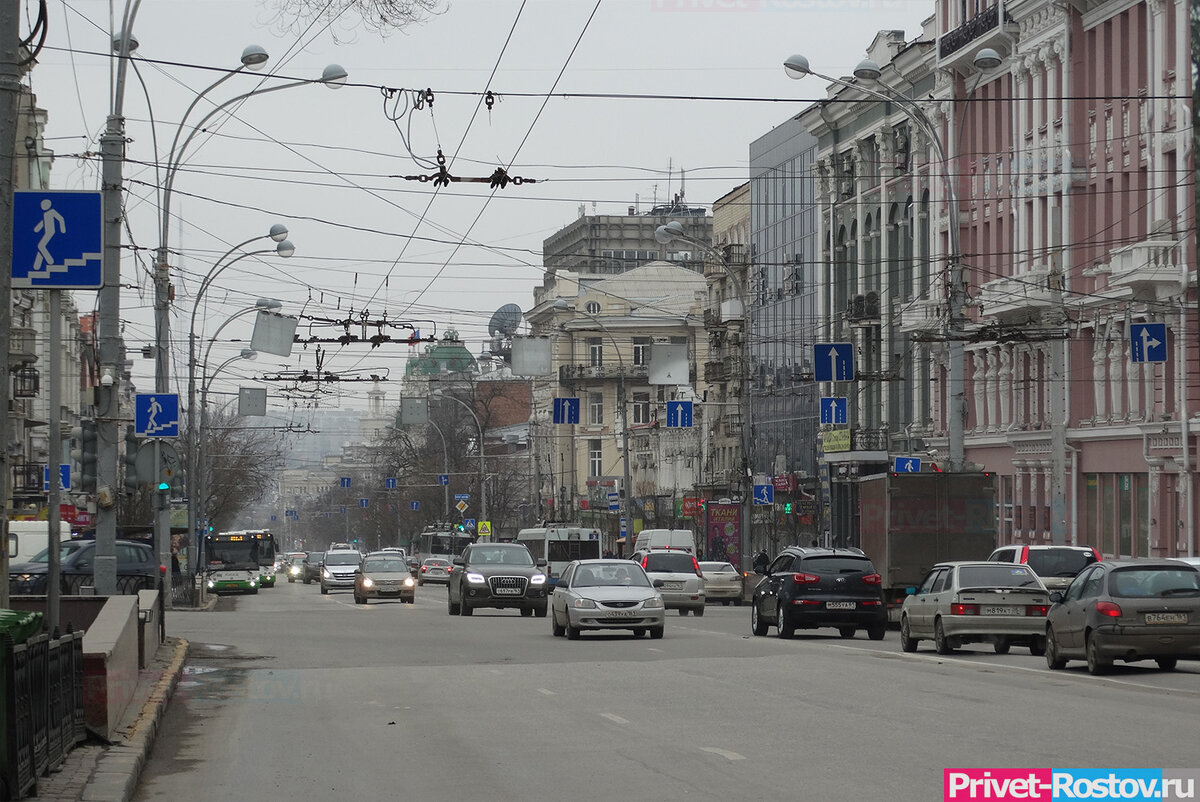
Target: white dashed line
x,y
725,753
614,718
546,692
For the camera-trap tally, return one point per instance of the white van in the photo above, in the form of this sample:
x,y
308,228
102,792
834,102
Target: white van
x,y
26,539
682,539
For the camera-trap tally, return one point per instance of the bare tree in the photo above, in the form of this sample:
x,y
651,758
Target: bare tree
x,y
243,461
341,17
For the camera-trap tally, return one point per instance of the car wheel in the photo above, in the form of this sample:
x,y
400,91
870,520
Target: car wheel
x,y
698,612
451,606
757,625
1037,646
307,580
941,643
725,602
572,632
637,633
656,633
558,629
846,632
877,632
526,612
324,591
1166,663
1001,644
464,608
1096,664
1054,661
785,627
359,599
540,610
420,583
907,642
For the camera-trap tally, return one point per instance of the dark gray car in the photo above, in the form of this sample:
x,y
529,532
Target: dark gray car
x,y
498,575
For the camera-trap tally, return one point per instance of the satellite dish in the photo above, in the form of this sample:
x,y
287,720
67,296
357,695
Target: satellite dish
x,y
505,321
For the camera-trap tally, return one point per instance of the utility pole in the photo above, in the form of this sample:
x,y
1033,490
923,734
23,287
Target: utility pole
x,y
10,92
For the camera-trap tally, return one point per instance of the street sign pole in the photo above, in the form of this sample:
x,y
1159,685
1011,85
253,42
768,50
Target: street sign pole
x,y
54,498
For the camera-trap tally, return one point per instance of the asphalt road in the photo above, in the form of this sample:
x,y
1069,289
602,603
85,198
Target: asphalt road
x,y
294,695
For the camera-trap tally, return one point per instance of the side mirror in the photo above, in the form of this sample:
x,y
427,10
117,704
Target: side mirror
x,y
458,561
358,572
541,562
659,583
760,570
1056,597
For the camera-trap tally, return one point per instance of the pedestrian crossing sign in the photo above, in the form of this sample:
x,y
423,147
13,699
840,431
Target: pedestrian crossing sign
x,y
484,528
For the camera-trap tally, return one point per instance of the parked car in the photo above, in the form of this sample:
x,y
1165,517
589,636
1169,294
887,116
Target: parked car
x,y
606,594
434,569
338,568
384,575
683,583
1056,566
497,575
722,582
312,566
1126,610
808,588
970,602
137,568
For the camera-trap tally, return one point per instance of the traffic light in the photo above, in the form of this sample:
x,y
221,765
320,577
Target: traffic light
x,y
702,505
131,449
787,508
88,455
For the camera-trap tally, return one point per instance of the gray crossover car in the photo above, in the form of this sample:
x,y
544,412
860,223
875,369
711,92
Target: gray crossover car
x,y
606,594
683,582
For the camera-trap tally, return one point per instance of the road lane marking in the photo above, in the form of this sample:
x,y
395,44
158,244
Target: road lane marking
x,y
614,718
546,692
725,753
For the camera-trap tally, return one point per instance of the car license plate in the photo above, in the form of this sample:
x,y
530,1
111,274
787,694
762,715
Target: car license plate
x,y
1166,618
508,591
673,586
623,614
840,605
1000,610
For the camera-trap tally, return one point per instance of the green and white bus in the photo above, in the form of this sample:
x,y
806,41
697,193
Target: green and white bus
x,y
231,562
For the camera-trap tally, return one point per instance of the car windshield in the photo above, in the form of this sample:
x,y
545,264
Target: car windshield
x,y
315,556
349,558
606,575
1153,582
717,568
437,563
385,565
1060,562
501,556
996,576
65,550
837,564
674,563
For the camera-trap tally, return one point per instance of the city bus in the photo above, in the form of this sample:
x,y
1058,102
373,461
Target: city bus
x,y
231,562
268,555
441,540
559,544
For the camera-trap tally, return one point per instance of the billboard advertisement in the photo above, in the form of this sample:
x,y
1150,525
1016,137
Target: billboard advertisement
x,y
724,533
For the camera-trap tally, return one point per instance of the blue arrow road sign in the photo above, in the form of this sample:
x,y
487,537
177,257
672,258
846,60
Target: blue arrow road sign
x,y
390,483
274,518
364,502
345,481
833,362
64,478
764,494
834,410
1148,342
414,505
906,465
679,414
58,240
156,414
566,410
443,479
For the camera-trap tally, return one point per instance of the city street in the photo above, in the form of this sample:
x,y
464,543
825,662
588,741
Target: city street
x,y
296,695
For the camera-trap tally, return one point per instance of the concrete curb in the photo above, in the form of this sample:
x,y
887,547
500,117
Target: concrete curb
x,y
120,766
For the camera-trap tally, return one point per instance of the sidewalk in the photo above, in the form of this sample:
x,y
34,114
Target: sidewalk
x,y
95,772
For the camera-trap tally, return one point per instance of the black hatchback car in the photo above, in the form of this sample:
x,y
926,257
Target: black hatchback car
x,y
137,568
807,588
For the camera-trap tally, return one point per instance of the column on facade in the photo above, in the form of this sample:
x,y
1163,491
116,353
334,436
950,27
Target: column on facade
x,y
1037,196
1020,124
1099,372
1005,378
993,388
1115,374
979,384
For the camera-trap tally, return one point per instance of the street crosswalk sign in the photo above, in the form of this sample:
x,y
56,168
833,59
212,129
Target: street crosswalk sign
x,y
484,528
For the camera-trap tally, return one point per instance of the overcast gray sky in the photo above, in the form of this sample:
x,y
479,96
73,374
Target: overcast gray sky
x,y
329,164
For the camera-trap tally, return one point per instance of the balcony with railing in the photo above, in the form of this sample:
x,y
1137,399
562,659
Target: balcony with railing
x,y
1152,266
28,478
1031,291
922,315
978,31
575,373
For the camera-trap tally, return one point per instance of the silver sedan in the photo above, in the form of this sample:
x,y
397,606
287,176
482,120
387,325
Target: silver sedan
x,y
723,582
606,594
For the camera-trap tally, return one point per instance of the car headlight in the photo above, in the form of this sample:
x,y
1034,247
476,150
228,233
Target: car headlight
x,y
325,573
584,604
212,584
253,582
537,579
653,604
367,582
475,579
408,582
295,570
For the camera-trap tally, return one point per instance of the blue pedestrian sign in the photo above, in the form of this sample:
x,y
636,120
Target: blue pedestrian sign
x,y
64,478
345,480
443,479
566,410
414,505
58,240
390,483
156,414
1148,342
834,410
462,496
764,494
679,414
833,362
469,523
906,465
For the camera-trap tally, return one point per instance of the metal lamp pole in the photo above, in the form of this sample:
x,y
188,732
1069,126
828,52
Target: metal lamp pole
x,y
483,508
446,460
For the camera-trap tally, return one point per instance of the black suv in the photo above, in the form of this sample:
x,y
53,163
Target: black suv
x,y
806,588
498,575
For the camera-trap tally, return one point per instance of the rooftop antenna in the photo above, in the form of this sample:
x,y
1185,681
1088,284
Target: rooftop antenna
x,y
670,172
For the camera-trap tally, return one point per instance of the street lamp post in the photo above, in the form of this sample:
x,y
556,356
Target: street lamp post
x,y
483,507
446,462
986,59
673,232
626,498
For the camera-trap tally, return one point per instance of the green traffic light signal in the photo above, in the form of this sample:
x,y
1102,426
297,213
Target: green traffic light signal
x,y
787,508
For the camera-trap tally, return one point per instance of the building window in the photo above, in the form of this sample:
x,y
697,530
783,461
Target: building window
x,y
592,308
595,409
641,350
595,458
595,351
641,408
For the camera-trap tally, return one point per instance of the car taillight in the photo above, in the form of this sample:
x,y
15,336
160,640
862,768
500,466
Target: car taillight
x,y
424,568
1096,554
1110,609
696,568
805,579
964,609
1024,555
873,579
646,563
1036,609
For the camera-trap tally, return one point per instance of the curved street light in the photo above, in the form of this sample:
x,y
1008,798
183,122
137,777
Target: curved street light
x,y
483,507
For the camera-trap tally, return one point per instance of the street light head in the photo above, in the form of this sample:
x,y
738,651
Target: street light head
x,y
669,232
561,304
285,248
268,303
254,57
249,353
987,59
279,232
334,76
867,70
116,43
796,67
